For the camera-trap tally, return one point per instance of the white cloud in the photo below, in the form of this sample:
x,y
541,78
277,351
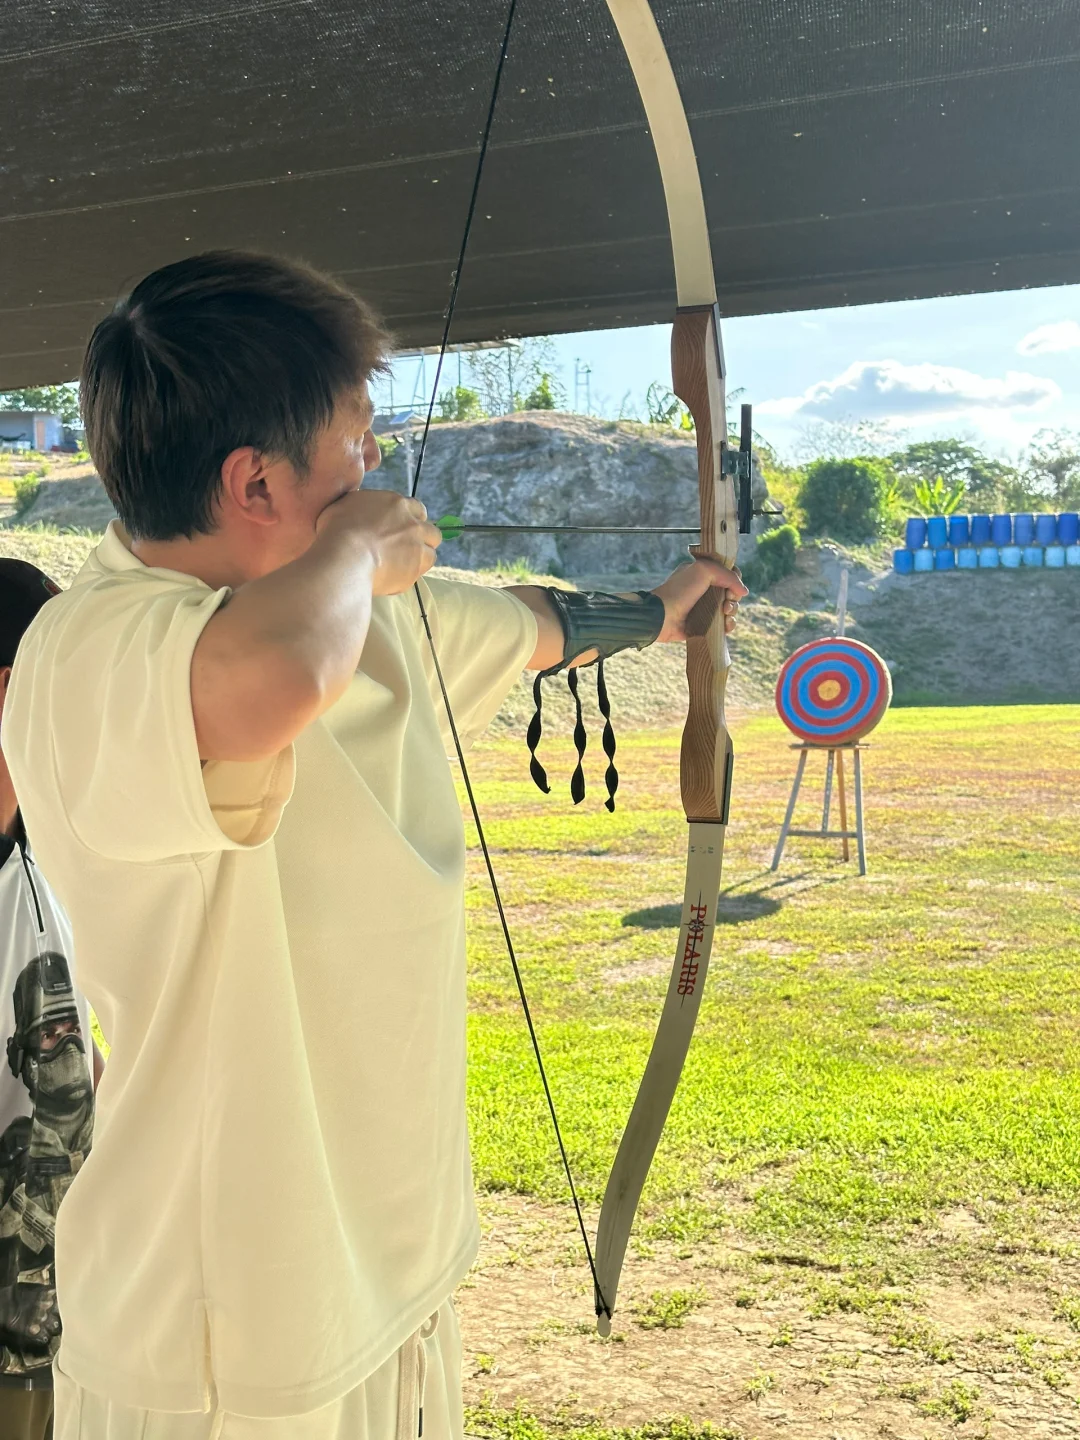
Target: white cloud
x,y
1051,339
889,390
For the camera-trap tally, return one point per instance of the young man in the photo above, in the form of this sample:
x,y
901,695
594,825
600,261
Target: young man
x,y
235,757
46,1094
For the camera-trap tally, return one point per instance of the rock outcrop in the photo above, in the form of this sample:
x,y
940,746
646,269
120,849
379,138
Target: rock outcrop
x,y
533,468
544,467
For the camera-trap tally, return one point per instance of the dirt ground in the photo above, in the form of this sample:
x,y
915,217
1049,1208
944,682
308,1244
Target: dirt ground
x,y
751,1361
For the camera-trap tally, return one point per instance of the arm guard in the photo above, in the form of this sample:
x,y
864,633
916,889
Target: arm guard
x,y
592,620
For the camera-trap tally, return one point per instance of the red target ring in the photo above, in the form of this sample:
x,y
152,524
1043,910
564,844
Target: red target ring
x,y
833,692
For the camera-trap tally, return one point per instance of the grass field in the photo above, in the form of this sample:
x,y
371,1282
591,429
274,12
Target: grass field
x,y
864,1217
882,1094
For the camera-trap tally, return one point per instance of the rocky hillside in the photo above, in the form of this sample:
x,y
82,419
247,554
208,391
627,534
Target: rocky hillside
x,y
548,468
532,468
965,637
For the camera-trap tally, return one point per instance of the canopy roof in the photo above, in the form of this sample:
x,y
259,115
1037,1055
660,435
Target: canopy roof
x,y
851,151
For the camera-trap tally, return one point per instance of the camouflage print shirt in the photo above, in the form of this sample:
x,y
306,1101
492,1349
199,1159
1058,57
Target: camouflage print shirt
x,y
46,1109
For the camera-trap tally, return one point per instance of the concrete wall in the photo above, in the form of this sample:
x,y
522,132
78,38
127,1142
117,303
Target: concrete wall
x,y
30,430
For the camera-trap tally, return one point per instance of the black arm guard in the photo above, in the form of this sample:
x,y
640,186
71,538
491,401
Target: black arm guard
x,y
593,620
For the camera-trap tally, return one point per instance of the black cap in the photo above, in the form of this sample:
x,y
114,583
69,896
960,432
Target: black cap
x,y
23,591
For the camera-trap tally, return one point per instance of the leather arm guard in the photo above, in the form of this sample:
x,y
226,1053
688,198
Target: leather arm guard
x,y
593,620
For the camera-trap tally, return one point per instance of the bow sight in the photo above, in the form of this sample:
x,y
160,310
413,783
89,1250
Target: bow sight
x,y
740,464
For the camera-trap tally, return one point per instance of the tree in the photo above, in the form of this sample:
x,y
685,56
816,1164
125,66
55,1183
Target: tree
x,y
847,499
460,403
542,396
986,484
664,407
502,377
62,400
1052,471
844,440
930,460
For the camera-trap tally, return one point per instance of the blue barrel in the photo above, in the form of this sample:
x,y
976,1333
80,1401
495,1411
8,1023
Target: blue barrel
x,y
980,529
1023,529
1045,529
1033,555
1072,554
924,558
1055,557
903,561
959,531
1011,556
944,559
937,532
1001,530
915,533
1068,528
967,558
989,559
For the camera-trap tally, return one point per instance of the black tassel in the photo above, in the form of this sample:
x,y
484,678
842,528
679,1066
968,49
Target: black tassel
x,y
577,780
611,775
532,737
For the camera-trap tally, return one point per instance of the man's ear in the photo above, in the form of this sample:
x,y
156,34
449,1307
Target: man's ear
x,y
244,488
5,677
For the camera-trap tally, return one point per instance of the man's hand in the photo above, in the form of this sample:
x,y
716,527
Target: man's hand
x,y
391,528
681,591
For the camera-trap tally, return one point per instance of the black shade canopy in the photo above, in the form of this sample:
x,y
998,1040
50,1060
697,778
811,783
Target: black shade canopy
x,y
850,150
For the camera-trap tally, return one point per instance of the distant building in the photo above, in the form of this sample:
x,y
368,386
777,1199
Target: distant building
x,y
34,430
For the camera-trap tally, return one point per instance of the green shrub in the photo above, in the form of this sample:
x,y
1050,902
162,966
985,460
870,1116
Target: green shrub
x,y
847,499
773,559
26,492
461,403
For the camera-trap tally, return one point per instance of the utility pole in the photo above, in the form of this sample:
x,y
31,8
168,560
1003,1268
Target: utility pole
x,y
581,379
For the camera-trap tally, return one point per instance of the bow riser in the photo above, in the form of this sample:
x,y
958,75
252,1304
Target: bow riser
x,y
698,375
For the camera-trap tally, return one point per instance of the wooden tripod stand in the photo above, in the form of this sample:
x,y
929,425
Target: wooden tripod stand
x,y
835,758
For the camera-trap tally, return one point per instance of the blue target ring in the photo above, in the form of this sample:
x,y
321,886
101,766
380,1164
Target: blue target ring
x,y
832,692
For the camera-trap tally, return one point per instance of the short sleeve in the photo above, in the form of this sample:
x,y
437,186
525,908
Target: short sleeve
x,y
484,638
102,692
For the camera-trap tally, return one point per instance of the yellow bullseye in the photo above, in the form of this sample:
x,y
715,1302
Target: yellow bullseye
x,y
828,690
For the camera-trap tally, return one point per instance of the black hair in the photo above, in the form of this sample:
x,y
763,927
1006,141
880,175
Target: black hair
x,y
209,354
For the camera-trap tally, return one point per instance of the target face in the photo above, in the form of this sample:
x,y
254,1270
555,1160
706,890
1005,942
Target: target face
x,y
833,692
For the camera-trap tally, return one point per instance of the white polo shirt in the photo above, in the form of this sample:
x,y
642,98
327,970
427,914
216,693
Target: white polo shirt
x,y
279,1191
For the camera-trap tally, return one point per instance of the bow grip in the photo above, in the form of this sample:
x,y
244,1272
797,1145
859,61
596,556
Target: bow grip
x,y
697,368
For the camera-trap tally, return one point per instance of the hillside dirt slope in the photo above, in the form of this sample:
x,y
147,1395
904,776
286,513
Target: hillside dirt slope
x,y
960,638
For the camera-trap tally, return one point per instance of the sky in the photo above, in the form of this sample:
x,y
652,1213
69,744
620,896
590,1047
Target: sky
x,y
990,369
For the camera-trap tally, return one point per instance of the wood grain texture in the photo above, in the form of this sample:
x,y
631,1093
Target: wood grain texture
x,y
697,369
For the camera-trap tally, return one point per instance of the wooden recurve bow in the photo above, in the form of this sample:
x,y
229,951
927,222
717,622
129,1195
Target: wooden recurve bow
x,y
697,365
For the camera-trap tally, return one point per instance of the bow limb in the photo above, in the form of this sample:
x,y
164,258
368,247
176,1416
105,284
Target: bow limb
x,y
706,757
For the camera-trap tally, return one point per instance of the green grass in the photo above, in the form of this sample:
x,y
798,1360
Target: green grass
x,y
870,1053
668,1309
489,1423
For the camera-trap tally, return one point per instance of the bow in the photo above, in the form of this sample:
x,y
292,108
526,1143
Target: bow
x,y
706,759
698,374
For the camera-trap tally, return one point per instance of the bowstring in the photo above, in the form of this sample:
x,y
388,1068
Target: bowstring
x,y
492,880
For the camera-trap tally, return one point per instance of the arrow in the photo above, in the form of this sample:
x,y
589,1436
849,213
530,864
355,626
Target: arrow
x,y
453,527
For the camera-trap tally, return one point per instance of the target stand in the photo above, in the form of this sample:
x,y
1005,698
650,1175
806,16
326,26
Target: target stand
x,y
835,758
830,694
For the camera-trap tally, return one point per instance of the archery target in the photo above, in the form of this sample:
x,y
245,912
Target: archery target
x,y
833,692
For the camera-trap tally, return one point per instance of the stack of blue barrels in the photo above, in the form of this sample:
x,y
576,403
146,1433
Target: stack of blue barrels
x,y
984,542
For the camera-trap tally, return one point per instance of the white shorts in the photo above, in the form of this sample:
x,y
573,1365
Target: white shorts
x,y
425,1371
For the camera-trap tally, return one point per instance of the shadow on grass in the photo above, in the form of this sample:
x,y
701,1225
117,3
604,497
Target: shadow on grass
x,y
737,906
731,910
